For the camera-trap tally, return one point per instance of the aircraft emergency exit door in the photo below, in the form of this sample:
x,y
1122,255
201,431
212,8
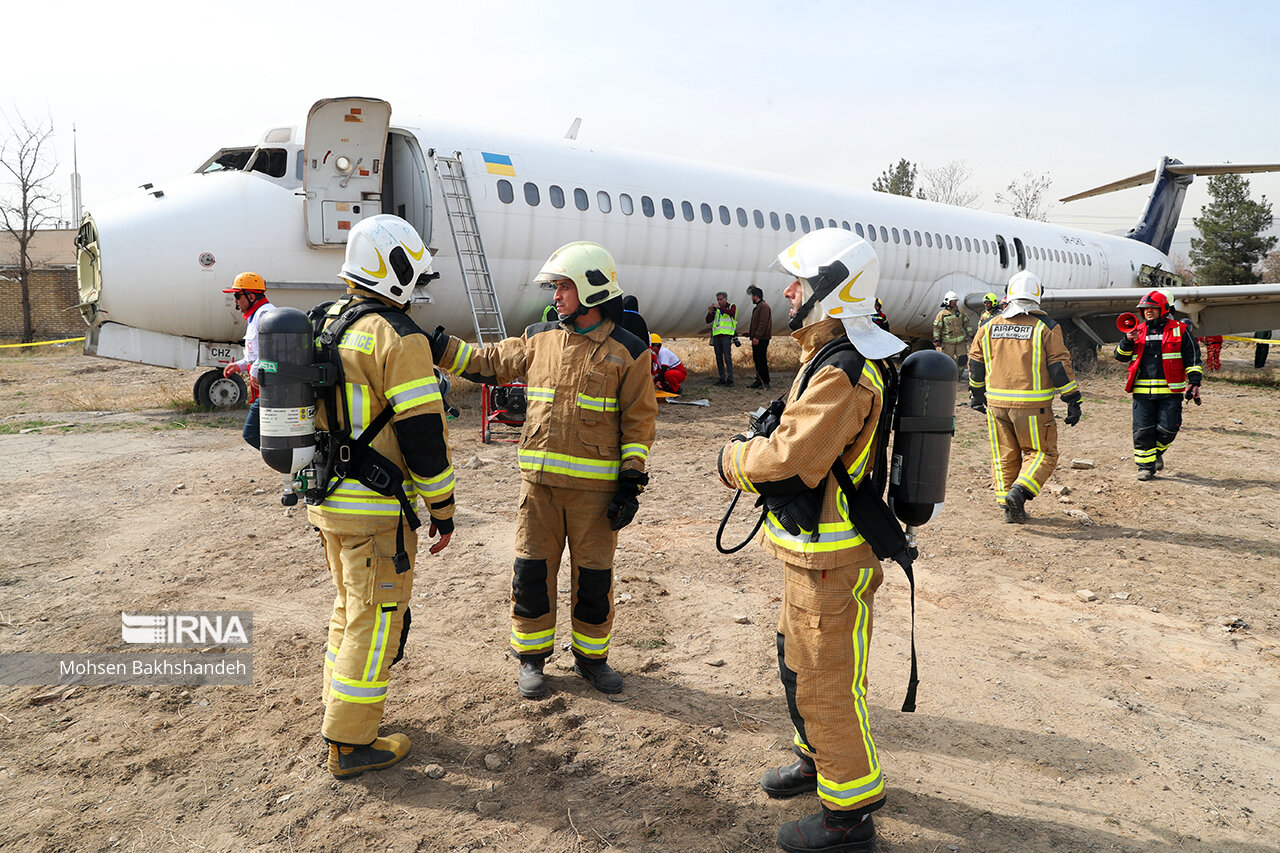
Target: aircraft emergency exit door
x,y
342,176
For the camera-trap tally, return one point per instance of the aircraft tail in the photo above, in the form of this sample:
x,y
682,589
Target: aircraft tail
x,y
1169,188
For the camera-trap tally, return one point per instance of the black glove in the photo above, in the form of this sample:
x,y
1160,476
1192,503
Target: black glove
x,y
1193,393
977,399
736,342
624,505
1073,414
439,343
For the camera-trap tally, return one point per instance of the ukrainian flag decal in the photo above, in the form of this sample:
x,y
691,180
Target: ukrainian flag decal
x,y
498,164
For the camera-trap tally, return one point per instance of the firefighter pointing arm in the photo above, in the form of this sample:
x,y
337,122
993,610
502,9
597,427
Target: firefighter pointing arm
x,y
385,444
582,454
830,571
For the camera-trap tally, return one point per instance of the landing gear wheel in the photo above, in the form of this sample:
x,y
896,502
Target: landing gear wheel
x,y
215,391
1084,352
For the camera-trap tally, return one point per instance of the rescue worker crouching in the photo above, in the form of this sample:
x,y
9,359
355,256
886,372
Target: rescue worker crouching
x,y
1164,364
1017,363
388,417
830,572
587,433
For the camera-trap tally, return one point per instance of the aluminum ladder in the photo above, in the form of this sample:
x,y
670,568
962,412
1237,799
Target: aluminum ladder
x,y
470,248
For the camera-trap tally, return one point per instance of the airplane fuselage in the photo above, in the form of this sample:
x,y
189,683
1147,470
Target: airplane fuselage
x,y
680,231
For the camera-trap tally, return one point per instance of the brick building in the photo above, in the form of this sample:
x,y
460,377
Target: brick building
x,y
54,296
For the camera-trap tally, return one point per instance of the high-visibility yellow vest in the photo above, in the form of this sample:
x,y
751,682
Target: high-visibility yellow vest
x,y
724,324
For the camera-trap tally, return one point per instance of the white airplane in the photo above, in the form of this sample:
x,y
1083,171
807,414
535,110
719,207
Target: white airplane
x,y
493,206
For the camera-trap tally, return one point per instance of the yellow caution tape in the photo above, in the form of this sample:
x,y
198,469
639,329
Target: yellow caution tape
x,y
42,343
1252,340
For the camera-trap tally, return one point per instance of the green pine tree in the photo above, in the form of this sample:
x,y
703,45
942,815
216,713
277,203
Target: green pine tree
x,y
898,180
1231,240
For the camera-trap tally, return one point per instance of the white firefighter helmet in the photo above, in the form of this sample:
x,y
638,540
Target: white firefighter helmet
x,y
387,256
589,266
1025,285
838,272
1023,294
949,297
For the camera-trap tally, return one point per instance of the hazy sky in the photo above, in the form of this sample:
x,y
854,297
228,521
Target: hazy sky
x,y
1088,92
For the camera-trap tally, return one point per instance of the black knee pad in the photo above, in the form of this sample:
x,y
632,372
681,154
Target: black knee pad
x,y
1144,437
529,587
404,635
593,595
1163,437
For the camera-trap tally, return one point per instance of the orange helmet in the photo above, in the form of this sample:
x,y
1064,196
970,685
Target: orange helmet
x,y
1155,299
247,282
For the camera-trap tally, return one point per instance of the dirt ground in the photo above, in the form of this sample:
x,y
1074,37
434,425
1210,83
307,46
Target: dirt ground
x,y
1144,718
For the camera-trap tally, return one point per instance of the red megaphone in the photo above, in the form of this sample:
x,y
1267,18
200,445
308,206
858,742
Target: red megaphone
x,y
1127,322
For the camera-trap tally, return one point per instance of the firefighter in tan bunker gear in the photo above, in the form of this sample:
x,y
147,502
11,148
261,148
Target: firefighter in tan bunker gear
x,y
1017,363
952,329
830,573
587,432
386,362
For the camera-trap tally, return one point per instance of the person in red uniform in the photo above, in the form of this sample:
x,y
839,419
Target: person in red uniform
x,y
1164,364
668,370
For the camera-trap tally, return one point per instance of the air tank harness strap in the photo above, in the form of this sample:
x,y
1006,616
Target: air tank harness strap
x,y
878,525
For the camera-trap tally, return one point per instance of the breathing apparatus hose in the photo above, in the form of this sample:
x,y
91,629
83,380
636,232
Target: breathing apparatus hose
x,y
724,521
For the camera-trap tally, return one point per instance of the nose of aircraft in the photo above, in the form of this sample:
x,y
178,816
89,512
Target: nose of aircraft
x,y
160,258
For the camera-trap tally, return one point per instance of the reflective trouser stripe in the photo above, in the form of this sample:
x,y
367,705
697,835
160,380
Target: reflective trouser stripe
x,y
373,662
591,645
358,692
1024,448
538,641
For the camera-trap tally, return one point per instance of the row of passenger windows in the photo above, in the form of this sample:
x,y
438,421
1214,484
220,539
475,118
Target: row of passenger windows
x,y
604,203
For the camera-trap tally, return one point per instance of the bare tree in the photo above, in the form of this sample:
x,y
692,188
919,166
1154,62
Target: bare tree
x,y
1269,268
1182,267
1026,196
28,202
946,184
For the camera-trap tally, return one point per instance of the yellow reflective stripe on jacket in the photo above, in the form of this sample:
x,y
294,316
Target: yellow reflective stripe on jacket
x,y
639,451
832,536
351,498
533,392
461,358
413,393
598,404
433,487
535,642
998,396
358,406
591,645
571,466
1157,386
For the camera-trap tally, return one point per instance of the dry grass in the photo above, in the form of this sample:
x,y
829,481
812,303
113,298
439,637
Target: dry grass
x,y
699,358
70,382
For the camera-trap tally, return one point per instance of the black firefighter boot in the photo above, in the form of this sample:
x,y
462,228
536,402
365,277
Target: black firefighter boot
x,y
347,762
599,673
829,832
530,681
1015,511
799,777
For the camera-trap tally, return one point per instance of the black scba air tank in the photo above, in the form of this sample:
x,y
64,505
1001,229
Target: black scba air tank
x,y
288,404
924,423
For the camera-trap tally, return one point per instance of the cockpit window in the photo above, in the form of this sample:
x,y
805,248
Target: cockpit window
x,y
273,162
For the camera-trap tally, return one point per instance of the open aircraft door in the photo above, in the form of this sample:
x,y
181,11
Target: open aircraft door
x,y
342,176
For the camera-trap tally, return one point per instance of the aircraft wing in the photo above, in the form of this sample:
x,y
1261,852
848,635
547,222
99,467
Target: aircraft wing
x,y
1227,310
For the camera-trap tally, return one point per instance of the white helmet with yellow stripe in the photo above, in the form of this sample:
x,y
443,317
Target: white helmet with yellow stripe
x,y
839,272
387,256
